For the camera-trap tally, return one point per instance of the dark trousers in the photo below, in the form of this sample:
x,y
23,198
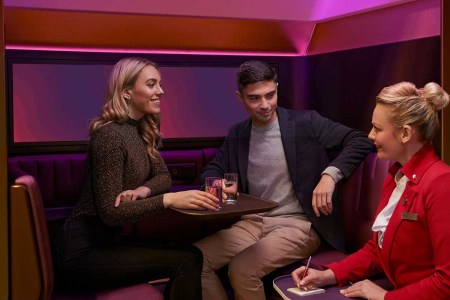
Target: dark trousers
x,y
92,256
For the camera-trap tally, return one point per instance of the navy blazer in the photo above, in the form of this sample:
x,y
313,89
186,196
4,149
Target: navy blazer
x,y
307,138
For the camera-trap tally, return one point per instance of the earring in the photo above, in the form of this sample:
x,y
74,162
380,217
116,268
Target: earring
x,y
127,99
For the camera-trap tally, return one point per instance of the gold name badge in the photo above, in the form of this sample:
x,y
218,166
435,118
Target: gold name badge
x,y
409,216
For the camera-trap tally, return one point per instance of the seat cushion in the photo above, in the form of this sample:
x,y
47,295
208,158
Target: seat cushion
x,y
135,292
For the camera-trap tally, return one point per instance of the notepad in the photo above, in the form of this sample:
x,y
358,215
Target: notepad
x,y
285,286
311,291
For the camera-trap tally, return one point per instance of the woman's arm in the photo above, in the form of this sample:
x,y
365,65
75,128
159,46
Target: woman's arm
x,y
359,265
159,178
107,153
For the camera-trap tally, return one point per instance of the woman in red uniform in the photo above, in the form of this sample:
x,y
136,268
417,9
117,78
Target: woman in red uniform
x,y
411,240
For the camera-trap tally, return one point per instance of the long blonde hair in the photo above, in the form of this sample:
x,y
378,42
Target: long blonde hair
x,y
416,107
122,77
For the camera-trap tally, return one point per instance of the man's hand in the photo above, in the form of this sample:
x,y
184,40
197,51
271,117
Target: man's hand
x,y
322,195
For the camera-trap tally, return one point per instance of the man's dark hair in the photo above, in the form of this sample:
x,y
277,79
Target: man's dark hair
x,y
253,71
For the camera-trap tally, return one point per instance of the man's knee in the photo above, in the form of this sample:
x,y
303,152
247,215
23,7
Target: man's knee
x,y
207,258
240,271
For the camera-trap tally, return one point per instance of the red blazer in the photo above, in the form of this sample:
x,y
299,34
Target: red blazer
x,y
416,247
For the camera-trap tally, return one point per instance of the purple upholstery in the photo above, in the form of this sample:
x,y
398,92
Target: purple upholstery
x,y
358,199
142,291
184,166
60,177
209,154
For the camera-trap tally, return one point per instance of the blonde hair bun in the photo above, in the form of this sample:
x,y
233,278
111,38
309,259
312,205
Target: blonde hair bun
x,y
434,94
415,107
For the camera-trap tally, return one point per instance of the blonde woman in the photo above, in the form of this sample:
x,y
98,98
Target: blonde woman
x,y
127,182
411,233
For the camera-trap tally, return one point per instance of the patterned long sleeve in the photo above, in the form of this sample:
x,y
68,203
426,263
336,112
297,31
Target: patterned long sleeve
x,y
118,161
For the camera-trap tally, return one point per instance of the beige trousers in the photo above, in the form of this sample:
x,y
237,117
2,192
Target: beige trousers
x,y
252,248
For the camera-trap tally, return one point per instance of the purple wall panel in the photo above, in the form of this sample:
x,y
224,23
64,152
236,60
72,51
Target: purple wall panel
x,y
199,102
55,102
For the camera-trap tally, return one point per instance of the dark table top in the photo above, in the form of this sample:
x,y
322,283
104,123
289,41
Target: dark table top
x,y
245,205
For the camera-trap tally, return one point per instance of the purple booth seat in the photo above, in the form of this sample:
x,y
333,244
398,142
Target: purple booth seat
x,y
184,167
32,274
60,178
358,198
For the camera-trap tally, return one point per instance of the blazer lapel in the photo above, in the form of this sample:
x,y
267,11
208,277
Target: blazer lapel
x,y
243,149
414,170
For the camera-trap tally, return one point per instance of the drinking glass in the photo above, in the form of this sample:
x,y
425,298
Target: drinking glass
x,y
213,185
231,187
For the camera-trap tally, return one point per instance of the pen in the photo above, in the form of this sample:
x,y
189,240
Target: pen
x,y
307,267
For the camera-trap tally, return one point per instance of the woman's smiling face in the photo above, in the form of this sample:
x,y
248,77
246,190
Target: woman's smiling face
x,y
146,93
385,135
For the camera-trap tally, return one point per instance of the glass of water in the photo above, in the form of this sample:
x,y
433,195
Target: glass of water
x,y
231,187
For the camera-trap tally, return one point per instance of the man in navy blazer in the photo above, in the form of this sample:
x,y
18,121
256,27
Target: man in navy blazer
x,y
280,155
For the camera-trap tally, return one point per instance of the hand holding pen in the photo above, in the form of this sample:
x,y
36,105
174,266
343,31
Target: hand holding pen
x,y
306,277
299,274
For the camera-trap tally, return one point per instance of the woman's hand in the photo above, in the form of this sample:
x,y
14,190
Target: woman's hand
x,y
192,199
314,278
131,195
364,289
